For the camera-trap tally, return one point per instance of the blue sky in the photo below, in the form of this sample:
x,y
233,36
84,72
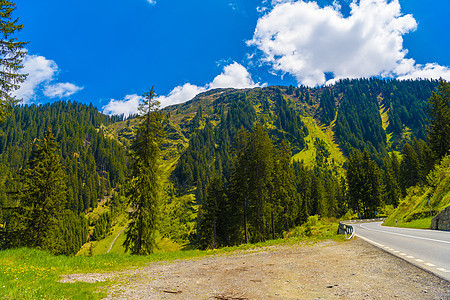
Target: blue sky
x,y
110,52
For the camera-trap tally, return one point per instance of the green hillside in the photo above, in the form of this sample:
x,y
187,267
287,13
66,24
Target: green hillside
x,y
414,210
322,126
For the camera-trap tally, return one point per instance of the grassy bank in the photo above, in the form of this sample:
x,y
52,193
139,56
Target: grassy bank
x,y
34,274
424,202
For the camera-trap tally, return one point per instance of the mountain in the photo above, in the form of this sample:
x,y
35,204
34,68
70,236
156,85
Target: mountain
x,y
377,115
93,163
322,125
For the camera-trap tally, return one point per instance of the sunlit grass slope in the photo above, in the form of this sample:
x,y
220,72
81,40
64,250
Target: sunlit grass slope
x,y
414,211
326,134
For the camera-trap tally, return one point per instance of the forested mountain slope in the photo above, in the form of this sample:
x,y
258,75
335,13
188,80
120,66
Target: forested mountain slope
x,y
321,125
93,163
372,114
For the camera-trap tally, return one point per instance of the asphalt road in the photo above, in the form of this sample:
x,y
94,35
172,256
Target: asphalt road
x,y
427,249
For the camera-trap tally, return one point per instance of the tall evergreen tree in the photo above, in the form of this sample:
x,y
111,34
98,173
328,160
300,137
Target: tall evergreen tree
x,y
371,186
409,168
238,187
364,184
41,197
212,228
144,184
11,56
284,190
439,120
260,172
391,188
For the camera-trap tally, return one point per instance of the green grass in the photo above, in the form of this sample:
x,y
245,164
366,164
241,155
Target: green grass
x,y
413,210
326,134
419,223
34,274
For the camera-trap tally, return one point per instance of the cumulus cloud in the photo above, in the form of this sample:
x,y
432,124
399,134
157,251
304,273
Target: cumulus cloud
x,y
61,90
127,106
42,73
235,76
430,70
181,94
152,2
39,70
307,41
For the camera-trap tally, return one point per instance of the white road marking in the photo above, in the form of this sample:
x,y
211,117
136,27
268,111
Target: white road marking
x,y
409,256
407,235
418,260
430,265
396,251
443,270
402,254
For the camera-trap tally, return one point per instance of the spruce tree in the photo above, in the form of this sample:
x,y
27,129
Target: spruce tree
x,y
238,187
354,174
260,172
439,120
42,196
11,56
284,190
409,168
144,182
371,186
211,219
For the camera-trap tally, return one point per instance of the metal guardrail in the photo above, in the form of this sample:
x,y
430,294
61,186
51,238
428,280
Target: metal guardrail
x,y
346,228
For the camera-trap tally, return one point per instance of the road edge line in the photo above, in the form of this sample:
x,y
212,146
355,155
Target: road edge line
x,y
375,244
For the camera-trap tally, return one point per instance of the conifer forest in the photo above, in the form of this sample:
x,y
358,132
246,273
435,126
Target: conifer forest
x,y
229,167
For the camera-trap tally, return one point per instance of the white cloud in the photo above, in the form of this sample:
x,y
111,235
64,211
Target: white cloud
x,y
127,106
430,70
233,76
41,75
181,94
308,41
39,70
152,2
61,90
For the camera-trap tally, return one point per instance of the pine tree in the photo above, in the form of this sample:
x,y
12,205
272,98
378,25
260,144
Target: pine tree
x,y
284,189
239,186
364,183
42,196
439,120
211,223
409,168
144,187
11,56
371,186
260,171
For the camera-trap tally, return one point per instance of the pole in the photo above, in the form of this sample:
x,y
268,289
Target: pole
x,y
429,207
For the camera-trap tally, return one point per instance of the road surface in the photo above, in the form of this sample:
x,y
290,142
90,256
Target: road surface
x,y
428,249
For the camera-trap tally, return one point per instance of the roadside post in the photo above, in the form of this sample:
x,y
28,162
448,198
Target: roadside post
x,y
429,207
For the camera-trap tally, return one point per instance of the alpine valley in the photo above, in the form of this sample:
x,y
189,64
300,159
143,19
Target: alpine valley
x,y
299,149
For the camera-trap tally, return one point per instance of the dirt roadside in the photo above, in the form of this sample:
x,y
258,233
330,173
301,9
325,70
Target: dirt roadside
x,y
325,270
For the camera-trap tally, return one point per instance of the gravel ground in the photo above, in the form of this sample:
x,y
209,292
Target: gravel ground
x,y
325,270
